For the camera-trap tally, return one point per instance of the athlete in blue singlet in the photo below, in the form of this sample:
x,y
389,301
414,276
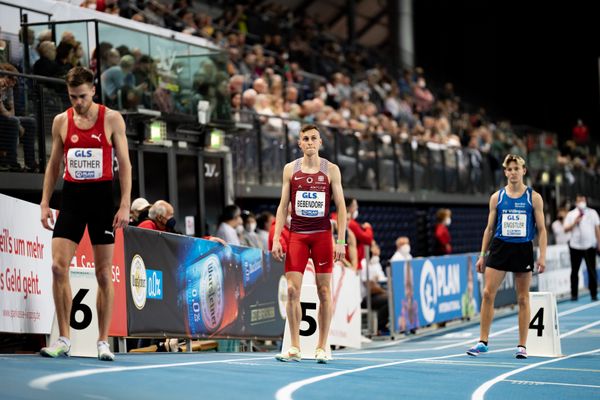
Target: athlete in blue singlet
x,y
515,212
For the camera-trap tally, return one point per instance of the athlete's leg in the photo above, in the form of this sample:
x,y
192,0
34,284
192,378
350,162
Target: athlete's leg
x,y
295,264
63,251
103,255
522,281
293,309
325,311
493,279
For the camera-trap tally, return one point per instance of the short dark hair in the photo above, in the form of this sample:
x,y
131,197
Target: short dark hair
x,y
77,76
309,127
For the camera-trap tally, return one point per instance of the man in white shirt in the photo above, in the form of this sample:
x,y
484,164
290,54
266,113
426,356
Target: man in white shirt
x,y
402,249
558,228
231,225
584,225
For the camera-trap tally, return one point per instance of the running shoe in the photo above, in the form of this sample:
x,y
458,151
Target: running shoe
x,y
477,349
521,352
293,354
59,348
321,356
104,353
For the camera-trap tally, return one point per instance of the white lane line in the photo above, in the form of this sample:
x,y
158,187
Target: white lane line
x,y
583,328
536,383
43,382
285,393
479,393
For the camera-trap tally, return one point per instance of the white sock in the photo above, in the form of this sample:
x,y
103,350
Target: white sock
x,y
65,340
103,342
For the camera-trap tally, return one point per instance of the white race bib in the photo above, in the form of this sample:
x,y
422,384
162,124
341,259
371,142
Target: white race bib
x,y
514,225
84,164
310,204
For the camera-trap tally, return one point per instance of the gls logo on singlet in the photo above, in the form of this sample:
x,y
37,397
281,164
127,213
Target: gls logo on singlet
x,y
309,195
83,153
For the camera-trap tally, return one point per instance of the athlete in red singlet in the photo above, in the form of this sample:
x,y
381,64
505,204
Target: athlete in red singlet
x,y
309,183
85,137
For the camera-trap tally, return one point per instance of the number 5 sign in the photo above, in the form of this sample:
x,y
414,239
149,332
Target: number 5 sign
x,y
543,339
84,319
309,327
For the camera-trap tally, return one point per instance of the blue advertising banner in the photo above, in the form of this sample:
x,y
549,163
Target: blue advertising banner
x,y
433,290
181,286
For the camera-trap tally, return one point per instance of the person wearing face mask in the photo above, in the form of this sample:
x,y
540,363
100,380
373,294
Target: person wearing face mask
x,y
139,211
372,278
583,224
402,249
249,237
441,235
558,229
160,218
231,226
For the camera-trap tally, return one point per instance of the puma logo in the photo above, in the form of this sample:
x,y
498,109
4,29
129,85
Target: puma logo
x,y
109,233
97,137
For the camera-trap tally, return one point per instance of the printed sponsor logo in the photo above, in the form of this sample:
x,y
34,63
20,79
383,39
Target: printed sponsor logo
x,y
138,282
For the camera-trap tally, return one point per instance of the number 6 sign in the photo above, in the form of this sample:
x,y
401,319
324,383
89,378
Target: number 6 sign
x,y
543,339
83,320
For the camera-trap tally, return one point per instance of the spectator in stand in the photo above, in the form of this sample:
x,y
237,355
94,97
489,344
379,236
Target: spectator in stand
x,y
46,65
14,128
441,235
231,225
139,211
423,97
263,224
160,217
363,232
249,238
584,225
558,228
581,133
402,249
64,55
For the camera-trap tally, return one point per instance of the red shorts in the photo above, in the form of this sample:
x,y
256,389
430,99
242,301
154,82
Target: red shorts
x,y
317,245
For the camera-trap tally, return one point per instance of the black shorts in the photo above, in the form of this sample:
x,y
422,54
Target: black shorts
x,y
88,204
511,257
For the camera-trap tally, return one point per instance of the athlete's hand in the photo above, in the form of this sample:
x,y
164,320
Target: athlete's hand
x,y
339,252
121,218
479,265
47,214
541,265
277,250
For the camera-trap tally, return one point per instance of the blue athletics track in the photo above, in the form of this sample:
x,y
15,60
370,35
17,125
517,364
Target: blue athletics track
x,y
421,367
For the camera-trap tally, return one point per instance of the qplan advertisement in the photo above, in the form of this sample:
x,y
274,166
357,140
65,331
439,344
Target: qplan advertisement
x,y
25,269
432,290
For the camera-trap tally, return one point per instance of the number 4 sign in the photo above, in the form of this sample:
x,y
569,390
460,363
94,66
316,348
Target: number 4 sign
x,y
309,327
83,320
543,339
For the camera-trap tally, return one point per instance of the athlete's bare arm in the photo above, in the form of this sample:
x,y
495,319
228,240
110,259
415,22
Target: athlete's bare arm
x,y
489,231
116,125
53,168
335,179
282,209
538,212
